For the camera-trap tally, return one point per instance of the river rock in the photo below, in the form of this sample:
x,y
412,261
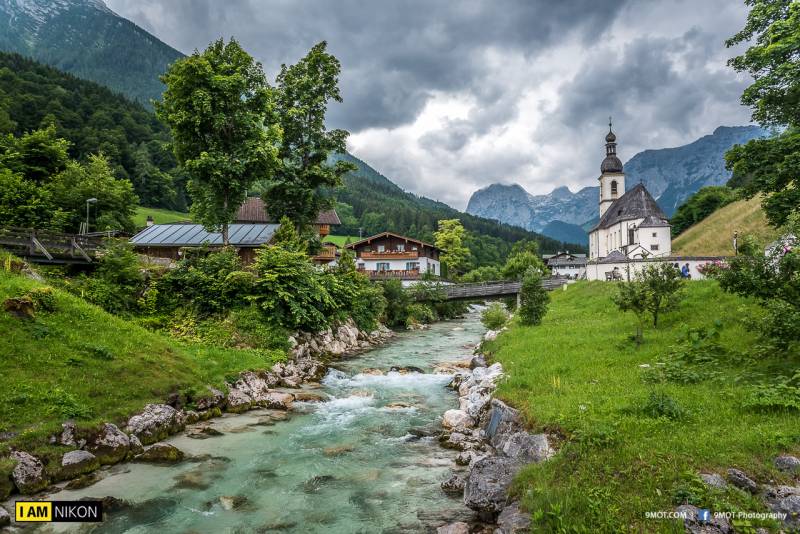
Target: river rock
x,y
486,488
454,484
490,335
742,481
477,361
309,396
694,525
458,527
372,372
205,432
156,422
232,502
28,475
455,440
463,458
214,399
136,446
785,500
503,421
277,400
406,369
5,519
110,445
67,436
787,464
454,419
238,401
78,462
527,447
713,480
161,453
512,520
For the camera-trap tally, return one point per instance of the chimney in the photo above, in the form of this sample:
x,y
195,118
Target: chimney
x,y
150,221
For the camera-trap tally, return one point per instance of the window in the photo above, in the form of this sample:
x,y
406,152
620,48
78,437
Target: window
x,y
653,247
631,236
382,267
655,234
361,266
613,188
401,247
412,266
381,248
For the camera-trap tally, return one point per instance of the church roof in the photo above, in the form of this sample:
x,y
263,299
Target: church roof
x,y
637,203
615,256
611,163
652,221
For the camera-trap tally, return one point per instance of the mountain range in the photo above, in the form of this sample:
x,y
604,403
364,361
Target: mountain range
x,y
87,39
670,174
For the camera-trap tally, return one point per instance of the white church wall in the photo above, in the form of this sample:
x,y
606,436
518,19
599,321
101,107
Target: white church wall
x,y
629,270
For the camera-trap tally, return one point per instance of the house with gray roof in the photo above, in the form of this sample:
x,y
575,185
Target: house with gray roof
x,y
251,229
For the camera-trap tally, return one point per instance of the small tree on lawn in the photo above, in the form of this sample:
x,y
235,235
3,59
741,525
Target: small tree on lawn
x,y
632,297
534,298
655,291
219,108
662,284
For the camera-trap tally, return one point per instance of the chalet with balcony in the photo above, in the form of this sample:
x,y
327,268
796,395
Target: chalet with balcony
x,y
388,255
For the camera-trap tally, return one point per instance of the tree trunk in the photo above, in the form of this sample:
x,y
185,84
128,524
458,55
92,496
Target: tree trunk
x,y
225,239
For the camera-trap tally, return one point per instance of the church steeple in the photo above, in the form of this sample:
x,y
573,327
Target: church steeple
x,y
612,178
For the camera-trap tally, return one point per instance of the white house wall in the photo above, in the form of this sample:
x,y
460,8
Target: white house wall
x,y
603,241
400,264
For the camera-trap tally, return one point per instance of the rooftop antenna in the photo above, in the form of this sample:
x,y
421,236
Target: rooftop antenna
x,y
609,123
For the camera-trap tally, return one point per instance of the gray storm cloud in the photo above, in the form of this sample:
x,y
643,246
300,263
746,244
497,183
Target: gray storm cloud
x,y
446,97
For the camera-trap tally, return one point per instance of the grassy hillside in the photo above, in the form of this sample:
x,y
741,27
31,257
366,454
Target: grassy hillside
x,y
160,216
83,363
713,235
340,240
633,441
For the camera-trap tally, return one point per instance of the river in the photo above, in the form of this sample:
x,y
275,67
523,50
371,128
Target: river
x,y
352,464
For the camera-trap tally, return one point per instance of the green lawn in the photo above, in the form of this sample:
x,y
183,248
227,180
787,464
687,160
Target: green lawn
x,y
83,363
579,376
340,240
160,216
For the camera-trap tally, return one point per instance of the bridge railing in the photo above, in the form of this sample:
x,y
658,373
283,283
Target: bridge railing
x,y
494,289
49,246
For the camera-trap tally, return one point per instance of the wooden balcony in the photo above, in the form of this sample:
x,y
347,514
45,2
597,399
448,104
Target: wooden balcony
x,y
390,255
323,229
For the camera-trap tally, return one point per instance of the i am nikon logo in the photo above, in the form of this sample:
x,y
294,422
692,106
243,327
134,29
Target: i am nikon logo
x,y
59,511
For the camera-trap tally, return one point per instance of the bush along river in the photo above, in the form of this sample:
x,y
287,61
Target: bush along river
x,y
361,454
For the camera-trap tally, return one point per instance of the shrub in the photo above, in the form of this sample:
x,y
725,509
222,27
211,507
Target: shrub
x,y
290,292
660,404
418,313
494,316
116,283
534,299
782,394
43,299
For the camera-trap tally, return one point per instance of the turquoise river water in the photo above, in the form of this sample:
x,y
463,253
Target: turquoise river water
x,y
352,464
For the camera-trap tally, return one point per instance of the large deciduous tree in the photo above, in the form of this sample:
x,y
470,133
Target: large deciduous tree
x,y
220,109
299,187
450,238
771,166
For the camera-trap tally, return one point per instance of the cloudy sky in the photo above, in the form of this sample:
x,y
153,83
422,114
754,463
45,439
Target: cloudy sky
x,y
447,97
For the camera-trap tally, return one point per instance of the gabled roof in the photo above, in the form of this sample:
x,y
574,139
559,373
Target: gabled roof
x,y
391,234
188,235
615,257
252,210
651,221
637,203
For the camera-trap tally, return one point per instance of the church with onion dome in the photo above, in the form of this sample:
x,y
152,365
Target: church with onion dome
x,y
631,224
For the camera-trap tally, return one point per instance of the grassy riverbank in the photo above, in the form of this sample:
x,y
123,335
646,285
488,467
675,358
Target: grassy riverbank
x,y
636,434
79,362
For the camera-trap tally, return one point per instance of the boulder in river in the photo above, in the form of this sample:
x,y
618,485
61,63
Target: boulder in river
x,y
406,369
486,488
77,462
372,372
28,474
214,399
277,400
161,453
5,519
459,527
155,423
110,444
457,419
512,520
233,502
454,484
238,401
